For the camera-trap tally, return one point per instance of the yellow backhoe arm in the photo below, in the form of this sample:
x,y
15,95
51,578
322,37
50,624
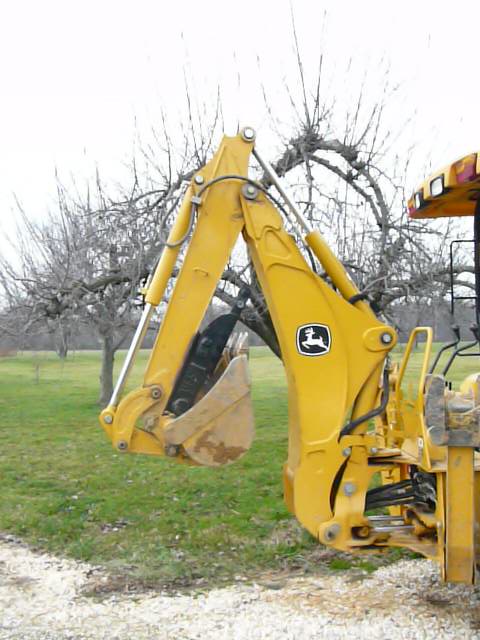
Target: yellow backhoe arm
x,y
194,405
333,351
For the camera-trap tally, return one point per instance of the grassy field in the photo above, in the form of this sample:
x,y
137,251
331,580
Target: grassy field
x,y
66,490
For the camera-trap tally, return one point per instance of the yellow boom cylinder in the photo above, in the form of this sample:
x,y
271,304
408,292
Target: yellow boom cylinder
x,y
335,269
169,255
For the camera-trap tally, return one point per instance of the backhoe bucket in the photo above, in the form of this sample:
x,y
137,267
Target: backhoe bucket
x,y
219,428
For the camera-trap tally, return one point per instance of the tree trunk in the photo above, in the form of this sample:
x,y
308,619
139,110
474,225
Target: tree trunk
x,y
61,341
106,374
263,327
61,350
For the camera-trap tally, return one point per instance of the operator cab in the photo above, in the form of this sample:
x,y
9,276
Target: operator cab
x,y
454,191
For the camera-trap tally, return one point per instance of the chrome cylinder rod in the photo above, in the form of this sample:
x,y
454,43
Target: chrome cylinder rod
x,y
315,241
157,284
132,352
270,171
403,528
385,518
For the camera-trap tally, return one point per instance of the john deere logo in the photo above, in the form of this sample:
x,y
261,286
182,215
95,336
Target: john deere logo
x,y
313,339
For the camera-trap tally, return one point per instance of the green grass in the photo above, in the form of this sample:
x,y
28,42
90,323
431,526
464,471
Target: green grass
x,y
66,490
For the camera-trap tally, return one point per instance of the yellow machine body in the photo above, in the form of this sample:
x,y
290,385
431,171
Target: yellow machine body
x,y
451,192
335,354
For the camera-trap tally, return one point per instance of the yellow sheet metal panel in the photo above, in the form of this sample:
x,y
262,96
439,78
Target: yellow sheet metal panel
x,y
326,346
460,516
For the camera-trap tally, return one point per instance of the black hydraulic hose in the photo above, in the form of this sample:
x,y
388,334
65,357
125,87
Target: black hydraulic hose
x,y
408,495
348,428
378,504
386,488
257,185
261,188
233,176
178,243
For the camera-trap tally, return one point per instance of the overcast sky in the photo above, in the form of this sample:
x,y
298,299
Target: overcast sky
x,y
78,78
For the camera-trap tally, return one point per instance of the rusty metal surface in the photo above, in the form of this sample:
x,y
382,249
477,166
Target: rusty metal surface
x,y
460,516
435,410
452,418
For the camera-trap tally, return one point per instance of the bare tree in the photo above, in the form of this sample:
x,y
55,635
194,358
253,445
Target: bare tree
x,y
86,262
346,173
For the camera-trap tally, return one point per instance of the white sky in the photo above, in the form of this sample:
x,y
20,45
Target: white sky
x,y
75,76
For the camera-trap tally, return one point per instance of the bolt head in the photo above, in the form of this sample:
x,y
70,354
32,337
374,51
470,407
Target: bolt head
x,y
349,488
386,338
250,191
332,532
248,134
363,532
171,450
108,419
199,179
346,452
156,393
122,445
373,450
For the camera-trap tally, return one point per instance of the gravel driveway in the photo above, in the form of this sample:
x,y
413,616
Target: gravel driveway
x,y
42,596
